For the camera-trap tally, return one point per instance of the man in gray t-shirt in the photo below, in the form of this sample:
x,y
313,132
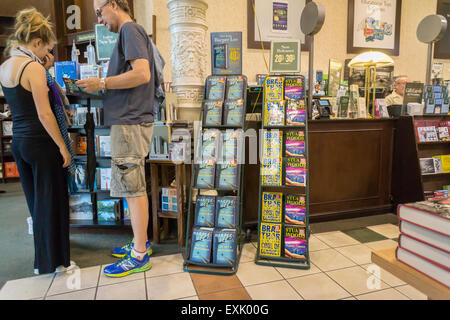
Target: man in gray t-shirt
x,y
128,108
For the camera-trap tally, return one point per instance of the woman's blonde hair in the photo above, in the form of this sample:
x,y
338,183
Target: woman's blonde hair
x,y
30,25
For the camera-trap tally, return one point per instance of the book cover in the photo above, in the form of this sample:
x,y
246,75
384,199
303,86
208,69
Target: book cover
x,y
273,89
234,112
80,207
271,163
107,210
81,145
205,175
81,176
295,209
437,164
294,88
212,112
295,143
215,88
274,114
224,247
205,208
230,146
126,210
295,112
220,56
445,161
104,146
270,240
226,53
426,165
343,106
427,134
228,177
104,178
236,86
295,171
226,212
272,207
210,143
443,134
295,243
7,128
201,244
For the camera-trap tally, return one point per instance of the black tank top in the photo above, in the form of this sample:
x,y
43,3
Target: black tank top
x,y
26,123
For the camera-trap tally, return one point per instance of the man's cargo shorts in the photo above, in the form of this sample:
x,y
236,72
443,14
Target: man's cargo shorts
x,y
130,145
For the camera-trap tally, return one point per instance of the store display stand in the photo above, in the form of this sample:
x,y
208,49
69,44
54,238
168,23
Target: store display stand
x,y
211,268
282,261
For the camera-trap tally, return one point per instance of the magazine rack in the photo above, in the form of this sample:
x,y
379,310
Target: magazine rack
x,y
281,260
211,268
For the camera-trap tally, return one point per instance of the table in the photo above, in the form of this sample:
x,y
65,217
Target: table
x,y
387,260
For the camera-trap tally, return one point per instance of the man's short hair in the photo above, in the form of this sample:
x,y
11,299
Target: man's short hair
x,y
123,4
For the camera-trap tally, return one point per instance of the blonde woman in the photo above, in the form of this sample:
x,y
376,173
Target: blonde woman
x,y
38,147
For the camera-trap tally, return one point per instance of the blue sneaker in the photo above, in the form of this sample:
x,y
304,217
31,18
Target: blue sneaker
x,y
128,265
121,252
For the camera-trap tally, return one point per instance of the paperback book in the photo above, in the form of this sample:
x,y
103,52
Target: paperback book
x,y
274,113
80,207
205,175
295,112
212,112
270,240
201,244
228,175
273,89
295,243
234,112
294,88
108,210
103,146
295,171
230,146
81,181
295,209
295,143
205,208
271,163
272,207
226,212
224,247
215,88
236,86
103,179
210,144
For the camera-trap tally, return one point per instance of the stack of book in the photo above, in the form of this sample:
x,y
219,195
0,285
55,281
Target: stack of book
x,y
424,242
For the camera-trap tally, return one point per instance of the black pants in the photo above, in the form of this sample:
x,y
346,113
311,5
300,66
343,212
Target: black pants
x,y
44,182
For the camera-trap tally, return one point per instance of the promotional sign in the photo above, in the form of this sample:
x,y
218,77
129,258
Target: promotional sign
x,y
105,41
285,57
226,53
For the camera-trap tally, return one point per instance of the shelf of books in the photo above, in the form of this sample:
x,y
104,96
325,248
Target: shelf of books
x,y
92,207
8,167
214,240
283,222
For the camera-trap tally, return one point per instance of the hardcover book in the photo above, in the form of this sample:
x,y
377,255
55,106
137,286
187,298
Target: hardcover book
x,y
80,207
201,244
294,88
272,207
205,175
427,236
295,243
274,114
295,171
103,178
228,177
103,144
234,112
295,209
427,166
81,176
295,143
443,134
108,210
427,134
295,112
205,208
445,161
270,240
212,112
226,212
220,56
236,86
224,247
215,88
273,89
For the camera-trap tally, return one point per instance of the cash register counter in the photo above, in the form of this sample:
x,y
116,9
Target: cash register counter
x,y
350,169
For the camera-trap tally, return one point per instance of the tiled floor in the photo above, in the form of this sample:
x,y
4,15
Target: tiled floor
x,y
340,269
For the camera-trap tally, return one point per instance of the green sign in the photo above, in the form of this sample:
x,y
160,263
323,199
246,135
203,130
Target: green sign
x,y
285,56
86,37
105,41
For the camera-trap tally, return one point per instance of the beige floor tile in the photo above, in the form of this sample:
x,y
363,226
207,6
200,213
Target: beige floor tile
x,y
318,287
357,280
385,276
289,273
131,290
170,287
26,289
315,244
250,273
411,292
383,244
360,254
88,294
278,290
330,259
165,265
248,253
336,239
388,230
104,280
388,294
78,279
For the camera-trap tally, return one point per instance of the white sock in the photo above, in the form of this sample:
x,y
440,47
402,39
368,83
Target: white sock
x,y
138,255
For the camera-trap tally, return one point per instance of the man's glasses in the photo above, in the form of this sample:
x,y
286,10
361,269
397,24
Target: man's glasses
x,y
98,12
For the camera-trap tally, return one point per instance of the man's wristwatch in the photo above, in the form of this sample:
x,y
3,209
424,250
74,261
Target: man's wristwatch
x,y
103,85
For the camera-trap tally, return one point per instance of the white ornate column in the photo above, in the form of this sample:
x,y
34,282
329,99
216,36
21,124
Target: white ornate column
x,y
188,54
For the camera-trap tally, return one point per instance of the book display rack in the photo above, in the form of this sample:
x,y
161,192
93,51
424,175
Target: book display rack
x,y
283,205
215,238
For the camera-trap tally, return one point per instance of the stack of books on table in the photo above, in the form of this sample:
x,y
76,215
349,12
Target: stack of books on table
x,y
424,242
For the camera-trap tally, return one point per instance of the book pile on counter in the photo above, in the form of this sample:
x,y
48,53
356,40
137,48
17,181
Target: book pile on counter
x,y
424,242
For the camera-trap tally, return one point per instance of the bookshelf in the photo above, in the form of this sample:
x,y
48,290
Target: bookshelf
x,y
5,147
